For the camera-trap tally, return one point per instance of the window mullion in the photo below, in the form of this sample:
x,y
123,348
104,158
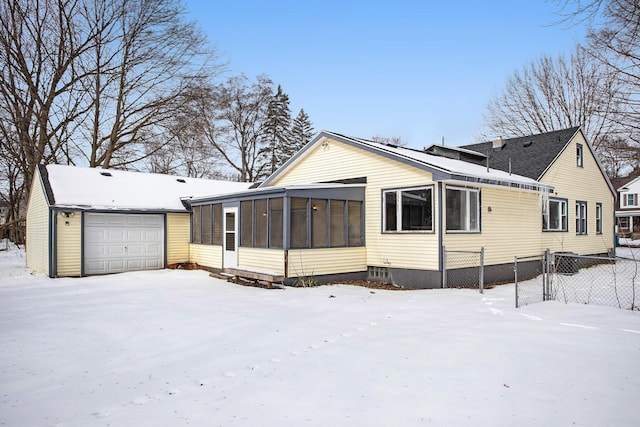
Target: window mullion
x,y
399,210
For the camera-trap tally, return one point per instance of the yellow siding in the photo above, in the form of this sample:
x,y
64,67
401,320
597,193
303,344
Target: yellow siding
x,y
37,228
341,161
178,236
314,262
512,228
585,184
261,260
206,255
69,243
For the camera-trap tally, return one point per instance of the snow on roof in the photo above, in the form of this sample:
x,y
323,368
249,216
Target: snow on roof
x,y
123,190
458,168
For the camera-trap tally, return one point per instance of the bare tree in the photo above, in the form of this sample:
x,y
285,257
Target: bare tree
x,y
235,114
145,59
40,44
550,94
613,38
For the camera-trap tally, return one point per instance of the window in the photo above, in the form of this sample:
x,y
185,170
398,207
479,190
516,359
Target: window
x,y
581,217
196,230
246,223
298,213
217,224
554,215
354,220
630,199
260,223
599,218
206,224
413,213
319,223
463,209
275,223
336,223
579,157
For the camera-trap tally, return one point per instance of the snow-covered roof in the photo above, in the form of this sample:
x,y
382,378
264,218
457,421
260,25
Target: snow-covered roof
x,y
443,168
111,189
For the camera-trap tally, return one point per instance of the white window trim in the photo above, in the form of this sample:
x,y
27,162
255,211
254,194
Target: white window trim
x,y
468,228
598,218
580,155
580,219
563,213
398,192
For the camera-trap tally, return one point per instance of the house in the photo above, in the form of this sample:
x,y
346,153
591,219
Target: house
x,y
345,207
83,221
628,208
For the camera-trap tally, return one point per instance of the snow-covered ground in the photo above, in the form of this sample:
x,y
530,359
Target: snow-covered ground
x,y
172,348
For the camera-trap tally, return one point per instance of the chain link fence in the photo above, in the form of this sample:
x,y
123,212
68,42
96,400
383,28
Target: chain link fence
x,y
463,269
568,277
595,280
531,279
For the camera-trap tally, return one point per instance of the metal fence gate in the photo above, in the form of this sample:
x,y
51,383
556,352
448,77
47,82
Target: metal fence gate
x,y
568,277
463,269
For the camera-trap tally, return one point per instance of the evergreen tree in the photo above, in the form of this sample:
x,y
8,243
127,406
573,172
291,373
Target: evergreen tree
x,y
301,133
277,131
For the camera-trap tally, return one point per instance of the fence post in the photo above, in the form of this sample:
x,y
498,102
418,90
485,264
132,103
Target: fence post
x,y
481,278
515,276
444,267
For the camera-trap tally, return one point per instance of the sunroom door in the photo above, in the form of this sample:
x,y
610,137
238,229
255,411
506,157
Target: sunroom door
x,y
230,259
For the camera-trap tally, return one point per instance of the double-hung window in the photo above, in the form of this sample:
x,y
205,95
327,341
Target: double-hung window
x,y
408,210
581,217
463,209
598,218
554,217
579,155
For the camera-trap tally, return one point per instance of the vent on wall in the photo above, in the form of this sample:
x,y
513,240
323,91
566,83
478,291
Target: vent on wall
x,y
527,143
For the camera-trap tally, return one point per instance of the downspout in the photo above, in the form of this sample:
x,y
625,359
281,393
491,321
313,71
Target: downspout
x,y
165,232
440,236
54,245
50,243
81,243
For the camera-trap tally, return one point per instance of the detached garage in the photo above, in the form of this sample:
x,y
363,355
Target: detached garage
x,y
84,221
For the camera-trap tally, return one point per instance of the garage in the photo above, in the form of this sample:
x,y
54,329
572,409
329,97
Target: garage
x,y
119,242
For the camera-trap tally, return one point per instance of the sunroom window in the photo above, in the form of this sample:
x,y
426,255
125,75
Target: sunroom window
x,y
554,216
463,209
413,212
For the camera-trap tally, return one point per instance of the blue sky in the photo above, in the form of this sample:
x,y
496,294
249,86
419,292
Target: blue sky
x,y
420,70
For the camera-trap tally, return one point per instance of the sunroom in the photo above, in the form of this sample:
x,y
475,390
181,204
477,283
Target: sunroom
x,y
295,231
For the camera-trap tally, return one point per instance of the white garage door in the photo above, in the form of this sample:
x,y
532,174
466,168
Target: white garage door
x,y
114,243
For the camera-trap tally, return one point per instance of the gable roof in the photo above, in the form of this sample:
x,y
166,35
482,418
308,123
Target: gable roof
x,y
529,156
441,168
110,189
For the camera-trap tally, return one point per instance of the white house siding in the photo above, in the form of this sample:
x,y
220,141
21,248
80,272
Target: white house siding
x,y
206,255
261,260
314,262
341,161
178,235
69,243
512,228
586,184
37,252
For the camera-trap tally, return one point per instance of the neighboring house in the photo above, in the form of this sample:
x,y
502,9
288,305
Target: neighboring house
x,y
345,207
628,209
4,210
83,221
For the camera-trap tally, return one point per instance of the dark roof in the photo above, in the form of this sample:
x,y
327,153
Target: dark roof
x,y
619,182
530,155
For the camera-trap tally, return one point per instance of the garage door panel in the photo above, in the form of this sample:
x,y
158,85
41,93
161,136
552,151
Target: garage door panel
x,y
123,242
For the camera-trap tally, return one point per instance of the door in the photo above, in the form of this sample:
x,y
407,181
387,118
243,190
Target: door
x,y
230,259
115,243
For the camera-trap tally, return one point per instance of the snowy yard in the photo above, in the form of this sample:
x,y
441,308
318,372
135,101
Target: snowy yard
x,y
171,348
